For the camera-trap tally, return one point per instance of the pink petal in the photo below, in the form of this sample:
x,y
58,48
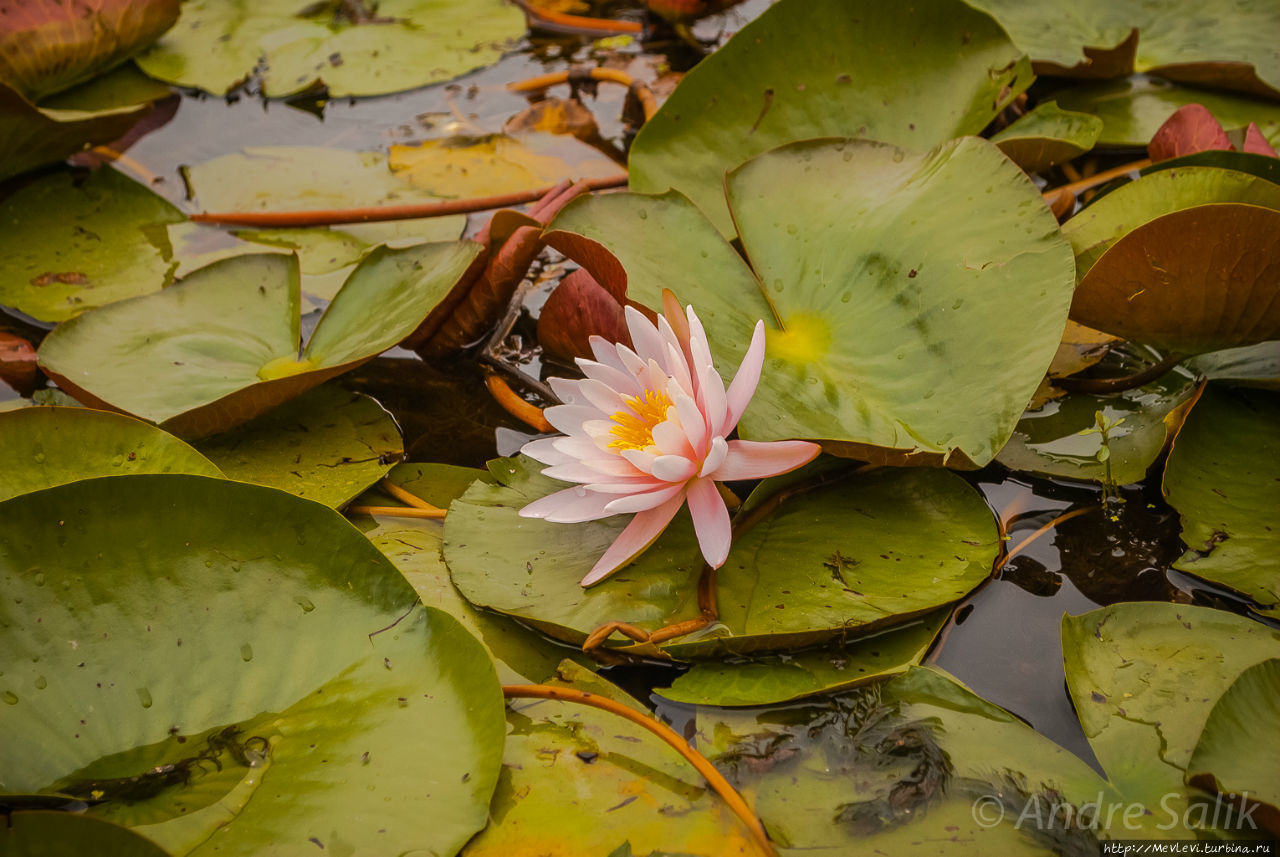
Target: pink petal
x,y
589,471
669,438
643,531
570,418
695,428
675,316
570,506
567,390
640,459
605,352
673,468
619,380
644,336
748,459
744,382
715,456
710,521
643,501
601,395
544,450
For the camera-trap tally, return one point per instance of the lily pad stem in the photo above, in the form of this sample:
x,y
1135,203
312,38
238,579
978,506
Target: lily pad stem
x,y
379,213
1119,385
396,512
528,413
713,777
558,22
407,497
1022,545
1050,196
638,89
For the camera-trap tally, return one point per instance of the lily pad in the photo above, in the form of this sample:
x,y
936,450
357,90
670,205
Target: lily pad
x,y
155,619
1231,47
346,48
53,834
48,47
867,553
1060,439
913,76
414,545
916,765
567,767
327,445
68,246
1097,228
1230,758
1250,366
770,679
1195,280
205,373
48,446
879,300
1048,136
1144,677
1133,109
464,167
1222,477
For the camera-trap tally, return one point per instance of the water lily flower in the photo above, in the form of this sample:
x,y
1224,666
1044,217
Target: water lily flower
x,y
646,431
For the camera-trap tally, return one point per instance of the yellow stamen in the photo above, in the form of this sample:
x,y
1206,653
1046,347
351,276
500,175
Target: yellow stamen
x,y
635,431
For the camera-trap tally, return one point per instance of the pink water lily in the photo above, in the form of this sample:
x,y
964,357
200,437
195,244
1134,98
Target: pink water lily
x,y
646,430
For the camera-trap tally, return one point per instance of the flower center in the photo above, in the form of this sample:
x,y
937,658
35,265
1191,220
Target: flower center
x,y
635,431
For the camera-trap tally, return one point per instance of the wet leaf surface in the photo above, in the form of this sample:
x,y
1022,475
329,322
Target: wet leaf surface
x,y
827,564
802,70
72,243
327,445
300,664
462,167
580,781
47,446
1222,477
207,375
870,329
1228,759
346,48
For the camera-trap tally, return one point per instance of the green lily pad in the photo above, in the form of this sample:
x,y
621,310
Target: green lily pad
x,y
1060,439
414,545
69,246
1222,478
568,767
1098,228
1133,109
123,87
1230,757
1231,47
916,765
1144,677
327,445
770,679
48,446
913,76
1048,136
1262,166
204,373
46,48
380,48
879,300
32,136
1250,366
829,563
155,620
55,834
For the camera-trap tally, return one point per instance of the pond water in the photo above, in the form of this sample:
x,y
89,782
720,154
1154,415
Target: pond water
x,y
1002,641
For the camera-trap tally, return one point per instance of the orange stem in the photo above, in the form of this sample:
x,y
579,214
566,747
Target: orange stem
x,y
529,414
327,217
397,511
546,81
1094,180
713,777
1020,546
408,498
576,23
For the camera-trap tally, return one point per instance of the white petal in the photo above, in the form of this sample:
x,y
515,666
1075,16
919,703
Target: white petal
x,y
673,468
570,506
571,418
715,456
605,352
601,396
644,336
642,501
567,390
613,376
545,450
